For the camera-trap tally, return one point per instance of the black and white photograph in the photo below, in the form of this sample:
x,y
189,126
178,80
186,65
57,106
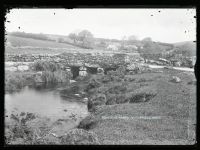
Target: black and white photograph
x,y
100,76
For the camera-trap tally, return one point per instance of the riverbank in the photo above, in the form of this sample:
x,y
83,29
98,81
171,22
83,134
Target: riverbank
x,y
167,118
143,108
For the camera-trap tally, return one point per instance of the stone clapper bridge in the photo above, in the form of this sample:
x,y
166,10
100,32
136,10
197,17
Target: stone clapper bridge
x,y
79,63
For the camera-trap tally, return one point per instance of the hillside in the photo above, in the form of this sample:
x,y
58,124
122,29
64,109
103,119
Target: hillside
x,y
100,44
188,46
23,42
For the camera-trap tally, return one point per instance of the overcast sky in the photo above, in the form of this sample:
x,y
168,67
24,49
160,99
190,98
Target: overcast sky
x,y
164,25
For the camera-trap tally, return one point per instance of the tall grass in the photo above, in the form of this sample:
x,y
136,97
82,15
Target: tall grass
x,y
55,77
17,80
51,73
41,65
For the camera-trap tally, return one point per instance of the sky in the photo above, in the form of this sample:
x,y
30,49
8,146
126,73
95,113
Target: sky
x,y
164,25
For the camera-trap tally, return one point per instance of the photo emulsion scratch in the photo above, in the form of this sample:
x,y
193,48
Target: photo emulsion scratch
x,y
100,76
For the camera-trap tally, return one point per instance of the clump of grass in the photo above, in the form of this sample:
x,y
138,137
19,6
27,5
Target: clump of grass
x,y
143,94
41,65
95,100
19,132
55,77
88,123
17,80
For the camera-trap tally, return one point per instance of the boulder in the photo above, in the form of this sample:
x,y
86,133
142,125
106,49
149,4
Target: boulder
x,y
11,68
9,64
176,79
72,81
80,137
23,68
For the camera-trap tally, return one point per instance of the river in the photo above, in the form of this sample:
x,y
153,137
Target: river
x,y
45,101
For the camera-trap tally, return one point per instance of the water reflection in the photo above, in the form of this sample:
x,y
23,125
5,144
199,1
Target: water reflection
x,y
44,100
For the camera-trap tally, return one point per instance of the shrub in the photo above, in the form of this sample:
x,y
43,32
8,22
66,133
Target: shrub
x,y
116,99
93,83
142,95
95,100
19,132
88,123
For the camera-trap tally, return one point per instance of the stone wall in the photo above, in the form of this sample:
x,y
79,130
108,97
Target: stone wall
x,y
74,59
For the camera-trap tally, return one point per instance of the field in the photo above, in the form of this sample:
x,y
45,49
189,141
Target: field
x,y
21,45
23,42
168,118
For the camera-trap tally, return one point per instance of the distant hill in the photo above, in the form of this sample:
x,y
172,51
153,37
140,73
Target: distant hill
x,y
188,46
22,39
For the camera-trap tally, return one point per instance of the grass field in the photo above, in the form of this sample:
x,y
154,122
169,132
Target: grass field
x,y
168,118
23,42
21,45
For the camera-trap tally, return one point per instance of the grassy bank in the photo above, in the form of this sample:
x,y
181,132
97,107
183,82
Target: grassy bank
x,y
49,72
143,108
167,117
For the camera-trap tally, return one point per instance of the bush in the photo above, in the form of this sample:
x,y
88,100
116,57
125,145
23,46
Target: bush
x,y
142,95
19,132
116,99
93,83
95,100
88,123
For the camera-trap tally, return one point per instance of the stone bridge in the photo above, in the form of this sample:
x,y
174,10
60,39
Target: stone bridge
x,y
74,61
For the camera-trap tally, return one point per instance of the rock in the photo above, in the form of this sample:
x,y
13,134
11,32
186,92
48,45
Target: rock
x,y
80,137
39,72
77,95
72,81
23,68
11,68
85,100
9,64
176,79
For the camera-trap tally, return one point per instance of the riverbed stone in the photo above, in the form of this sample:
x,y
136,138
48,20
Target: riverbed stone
x,y
23,68
11,68
176,79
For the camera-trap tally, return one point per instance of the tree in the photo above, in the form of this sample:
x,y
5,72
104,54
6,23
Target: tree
x,y
74,37
147,39
132,38
86,38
